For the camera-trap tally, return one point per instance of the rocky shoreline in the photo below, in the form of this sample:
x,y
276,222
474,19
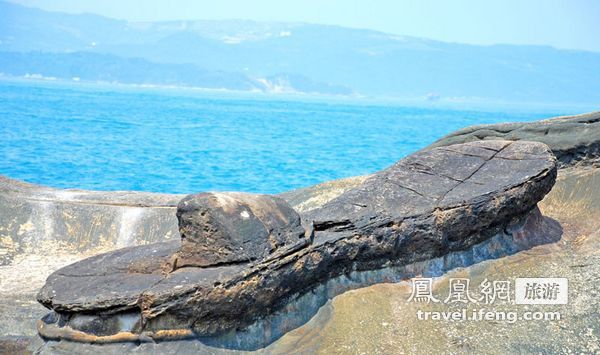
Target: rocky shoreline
x,y
332,221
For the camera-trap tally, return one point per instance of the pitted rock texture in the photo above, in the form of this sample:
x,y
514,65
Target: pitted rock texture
x,y
574,140
442,198
424,206
223,228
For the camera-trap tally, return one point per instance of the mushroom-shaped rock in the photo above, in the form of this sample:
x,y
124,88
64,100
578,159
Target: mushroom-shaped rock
x,y
225,228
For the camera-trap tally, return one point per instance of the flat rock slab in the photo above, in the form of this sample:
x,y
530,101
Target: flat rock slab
x,y
424,206
574,140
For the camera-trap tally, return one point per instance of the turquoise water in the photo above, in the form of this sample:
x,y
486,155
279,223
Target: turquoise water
x,y
103,138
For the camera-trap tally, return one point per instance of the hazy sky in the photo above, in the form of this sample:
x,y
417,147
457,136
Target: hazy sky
x,y
572,24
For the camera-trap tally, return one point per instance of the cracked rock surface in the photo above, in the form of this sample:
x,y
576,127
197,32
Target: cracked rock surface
x,y
424,206
574,140
226,228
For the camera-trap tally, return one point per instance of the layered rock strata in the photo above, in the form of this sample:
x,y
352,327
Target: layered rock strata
x,y
243,257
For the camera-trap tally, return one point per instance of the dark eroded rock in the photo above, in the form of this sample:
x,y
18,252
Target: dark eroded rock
x,y
425,206
224,228
574,140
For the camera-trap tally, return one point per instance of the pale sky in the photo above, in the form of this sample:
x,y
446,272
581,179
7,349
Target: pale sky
x,y
569,24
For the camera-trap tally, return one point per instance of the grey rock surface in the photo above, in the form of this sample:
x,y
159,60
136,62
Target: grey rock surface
x,y
423,207
309,198
573,139
219,228
43,229
35,218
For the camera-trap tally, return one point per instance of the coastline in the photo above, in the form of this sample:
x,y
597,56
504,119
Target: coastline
x,y
458,104
28,209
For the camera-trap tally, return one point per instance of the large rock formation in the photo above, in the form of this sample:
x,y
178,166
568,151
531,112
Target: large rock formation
x,y
243,257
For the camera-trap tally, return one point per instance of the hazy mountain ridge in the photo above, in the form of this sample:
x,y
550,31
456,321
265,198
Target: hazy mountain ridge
x,y
95,48
96,67
332,59
109,68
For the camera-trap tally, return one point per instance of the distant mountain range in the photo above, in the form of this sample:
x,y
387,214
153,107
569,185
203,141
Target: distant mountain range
x,y
288,57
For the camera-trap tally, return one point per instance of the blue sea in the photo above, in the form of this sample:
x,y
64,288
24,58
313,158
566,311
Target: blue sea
x,y
105,137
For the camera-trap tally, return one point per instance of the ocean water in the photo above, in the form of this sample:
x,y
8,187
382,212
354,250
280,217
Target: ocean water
x,y
182,141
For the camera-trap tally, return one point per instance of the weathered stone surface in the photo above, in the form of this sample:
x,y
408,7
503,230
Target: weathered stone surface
x,y
309,198
43,229
574,140
222,228
33,216
425,206
441,198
